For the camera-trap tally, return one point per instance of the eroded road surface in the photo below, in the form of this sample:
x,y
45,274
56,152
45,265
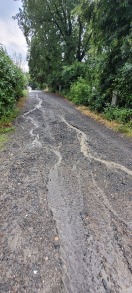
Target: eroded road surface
x,y
66,194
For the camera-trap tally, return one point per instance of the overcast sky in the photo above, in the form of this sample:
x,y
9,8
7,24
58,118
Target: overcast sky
x,y
10,34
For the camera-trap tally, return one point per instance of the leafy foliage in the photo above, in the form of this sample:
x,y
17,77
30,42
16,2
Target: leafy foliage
x,y
57,35
83,48
118,114
11,83
71,73
111,28
80,92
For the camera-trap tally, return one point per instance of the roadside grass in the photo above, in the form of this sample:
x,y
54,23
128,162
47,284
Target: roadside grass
x,y
6,121
3,140
124,128
21,102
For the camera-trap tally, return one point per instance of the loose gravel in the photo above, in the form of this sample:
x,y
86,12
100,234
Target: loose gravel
x,y
66,203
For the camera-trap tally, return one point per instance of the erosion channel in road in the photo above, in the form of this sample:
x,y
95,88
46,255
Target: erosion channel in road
x,y
66,189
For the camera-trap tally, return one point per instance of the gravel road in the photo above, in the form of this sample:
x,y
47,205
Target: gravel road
x,y
66,203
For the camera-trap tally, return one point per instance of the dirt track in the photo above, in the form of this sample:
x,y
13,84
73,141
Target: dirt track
x,y
66,193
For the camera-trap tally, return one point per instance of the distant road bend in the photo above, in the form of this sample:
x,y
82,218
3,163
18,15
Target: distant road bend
x,y
66,197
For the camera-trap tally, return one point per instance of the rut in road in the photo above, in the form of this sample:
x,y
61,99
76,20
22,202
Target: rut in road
x,y
67,209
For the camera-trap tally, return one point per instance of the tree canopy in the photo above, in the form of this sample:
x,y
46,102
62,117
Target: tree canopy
x,y
56,33
61,34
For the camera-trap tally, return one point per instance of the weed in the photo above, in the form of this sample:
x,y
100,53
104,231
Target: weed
x,y
121,115
6,121
3,140
125,128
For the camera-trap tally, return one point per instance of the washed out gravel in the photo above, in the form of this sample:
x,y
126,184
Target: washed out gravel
x,y
66,203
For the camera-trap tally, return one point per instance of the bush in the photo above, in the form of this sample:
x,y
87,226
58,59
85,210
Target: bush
x,y
71,73
11,83
119,114
124,85
80,92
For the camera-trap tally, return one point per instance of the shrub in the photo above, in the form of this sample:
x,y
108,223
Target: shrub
x,y
119,114
80,92
71,73
124,85
11,83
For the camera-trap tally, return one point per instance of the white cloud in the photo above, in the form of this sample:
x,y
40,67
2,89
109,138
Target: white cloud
x,y
12,38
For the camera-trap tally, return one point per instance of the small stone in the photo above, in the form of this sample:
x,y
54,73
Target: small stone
x,y
56,238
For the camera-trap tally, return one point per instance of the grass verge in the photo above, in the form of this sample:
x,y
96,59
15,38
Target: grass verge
x,y
124,128
6,122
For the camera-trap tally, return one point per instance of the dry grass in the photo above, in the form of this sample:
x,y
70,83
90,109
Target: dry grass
x,y
98,117
110,124
21,102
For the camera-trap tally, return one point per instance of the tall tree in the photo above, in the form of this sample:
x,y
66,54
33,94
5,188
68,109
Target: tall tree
x,y
58,29
111,36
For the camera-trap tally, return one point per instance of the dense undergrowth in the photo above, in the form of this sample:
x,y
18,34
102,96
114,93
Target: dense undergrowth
x,y
86,90
12,84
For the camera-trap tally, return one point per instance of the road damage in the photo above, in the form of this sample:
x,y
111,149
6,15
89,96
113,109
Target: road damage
x,y
66,203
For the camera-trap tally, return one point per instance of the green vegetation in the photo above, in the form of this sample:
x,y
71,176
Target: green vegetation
x,y
6,121
118,114
12,83
80,92
125,128
82,49
3,140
